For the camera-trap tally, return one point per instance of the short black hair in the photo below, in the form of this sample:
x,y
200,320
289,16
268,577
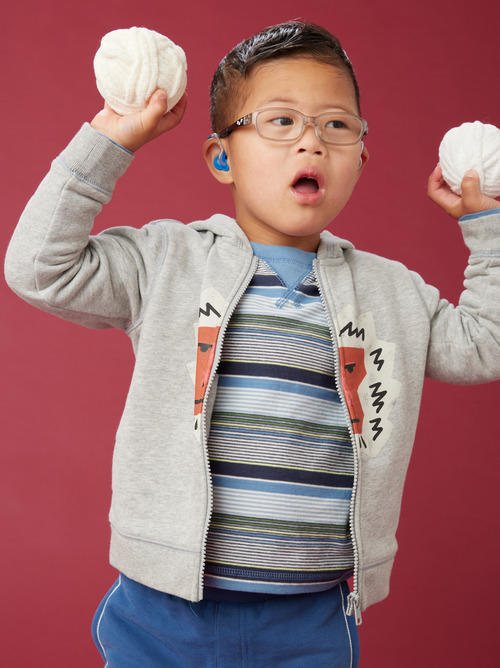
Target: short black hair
x,y
291,39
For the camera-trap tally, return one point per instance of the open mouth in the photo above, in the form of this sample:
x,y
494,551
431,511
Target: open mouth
x,y
307,185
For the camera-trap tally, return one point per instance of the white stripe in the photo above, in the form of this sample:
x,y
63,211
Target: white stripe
x,y
256,401
346,624
314,355
101,616
276,506
297,452
280,555
311,313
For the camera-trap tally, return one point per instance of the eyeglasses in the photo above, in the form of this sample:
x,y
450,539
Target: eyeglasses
x,y
332,127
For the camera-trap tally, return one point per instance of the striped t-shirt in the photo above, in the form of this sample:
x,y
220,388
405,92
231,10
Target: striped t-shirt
x,y
280,451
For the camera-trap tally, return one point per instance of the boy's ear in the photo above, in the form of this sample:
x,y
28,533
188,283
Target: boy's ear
x,y
365,156
216,160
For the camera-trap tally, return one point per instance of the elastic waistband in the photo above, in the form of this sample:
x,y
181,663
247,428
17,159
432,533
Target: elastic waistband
x,y
215,594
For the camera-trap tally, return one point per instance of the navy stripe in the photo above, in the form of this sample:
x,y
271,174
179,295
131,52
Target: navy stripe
x,y
285,475
271,575
310,290
233,367
260,280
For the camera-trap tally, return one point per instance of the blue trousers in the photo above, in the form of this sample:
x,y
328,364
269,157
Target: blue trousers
x,y
136,626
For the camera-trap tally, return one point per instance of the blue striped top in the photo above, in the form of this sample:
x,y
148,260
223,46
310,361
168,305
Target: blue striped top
x,y
279,446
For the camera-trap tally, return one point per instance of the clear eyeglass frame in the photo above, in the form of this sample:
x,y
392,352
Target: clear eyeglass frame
x,y
354,128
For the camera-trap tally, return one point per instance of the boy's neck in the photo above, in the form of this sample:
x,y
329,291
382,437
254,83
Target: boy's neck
x,y
272,238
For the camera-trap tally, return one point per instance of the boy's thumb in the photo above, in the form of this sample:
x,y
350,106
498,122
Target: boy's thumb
x,y
471,193
156,108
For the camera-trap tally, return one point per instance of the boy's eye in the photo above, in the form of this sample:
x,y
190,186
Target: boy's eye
x,y
279,124
336,123
282,121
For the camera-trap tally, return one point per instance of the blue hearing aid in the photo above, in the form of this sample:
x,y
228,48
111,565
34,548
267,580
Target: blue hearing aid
x,y
220,162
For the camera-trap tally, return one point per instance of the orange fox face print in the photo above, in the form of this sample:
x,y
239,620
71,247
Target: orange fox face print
x,y
207,341
366,371
352,372
211,312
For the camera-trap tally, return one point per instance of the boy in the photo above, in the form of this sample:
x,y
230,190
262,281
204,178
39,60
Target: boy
x,y
257,466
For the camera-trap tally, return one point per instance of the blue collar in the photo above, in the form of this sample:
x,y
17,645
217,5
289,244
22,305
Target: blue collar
x,y
292,265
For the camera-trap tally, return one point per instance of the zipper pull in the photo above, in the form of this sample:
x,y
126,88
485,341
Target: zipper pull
x,y
353,607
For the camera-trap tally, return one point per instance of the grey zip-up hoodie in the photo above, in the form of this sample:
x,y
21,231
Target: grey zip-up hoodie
x,y
167,281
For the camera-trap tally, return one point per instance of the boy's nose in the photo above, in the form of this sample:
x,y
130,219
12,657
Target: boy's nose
x,y
309,141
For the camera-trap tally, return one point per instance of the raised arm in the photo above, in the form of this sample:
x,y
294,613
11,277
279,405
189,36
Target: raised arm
x,y
465,340
52,261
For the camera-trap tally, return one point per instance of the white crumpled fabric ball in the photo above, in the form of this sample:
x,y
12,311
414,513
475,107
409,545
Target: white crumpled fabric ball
x,y
132,63
472,146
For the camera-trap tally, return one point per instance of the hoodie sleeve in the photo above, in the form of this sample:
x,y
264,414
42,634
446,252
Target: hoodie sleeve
x,y
52,261
464,345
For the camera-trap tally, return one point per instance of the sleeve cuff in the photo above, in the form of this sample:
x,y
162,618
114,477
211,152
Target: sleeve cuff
x,y
119,145
479,214
484,236
94,158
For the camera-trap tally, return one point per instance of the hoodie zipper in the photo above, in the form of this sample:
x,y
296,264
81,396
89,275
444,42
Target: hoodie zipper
x,y
204,436
353,606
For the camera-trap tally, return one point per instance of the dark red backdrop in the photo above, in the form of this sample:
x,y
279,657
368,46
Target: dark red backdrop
x,y
423,68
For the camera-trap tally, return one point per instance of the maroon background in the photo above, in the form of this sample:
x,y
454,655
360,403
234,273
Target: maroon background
x,y
423,68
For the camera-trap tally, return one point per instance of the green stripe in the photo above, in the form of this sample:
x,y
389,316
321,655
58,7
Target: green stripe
x,y
262,525
280,424
280,324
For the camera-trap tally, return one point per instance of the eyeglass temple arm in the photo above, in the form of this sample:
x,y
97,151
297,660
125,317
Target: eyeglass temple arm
x,y
246,120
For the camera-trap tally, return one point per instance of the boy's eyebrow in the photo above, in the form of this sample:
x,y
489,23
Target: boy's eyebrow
x,y
284,101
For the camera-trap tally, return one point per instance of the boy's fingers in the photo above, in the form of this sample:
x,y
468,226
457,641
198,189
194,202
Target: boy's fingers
x,y
134,130
157,107
435,180
155,120
180,107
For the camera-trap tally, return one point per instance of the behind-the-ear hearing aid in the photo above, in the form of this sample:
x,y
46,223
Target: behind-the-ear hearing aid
x,y
361,156
220,162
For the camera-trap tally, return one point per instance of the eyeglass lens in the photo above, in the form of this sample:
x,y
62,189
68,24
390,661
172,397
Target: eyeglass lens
x,y
286,124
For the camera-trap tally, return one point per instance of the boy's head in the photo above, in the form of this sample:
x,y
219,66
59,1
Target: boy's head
x,y
288,137
294,38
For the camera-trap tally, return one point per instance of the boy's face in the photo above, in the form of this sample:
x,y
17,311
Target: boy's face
x,y
272,206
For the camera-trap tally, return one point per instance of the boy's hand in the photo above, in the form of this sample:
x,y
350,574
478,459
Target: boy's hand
x,y
471,201
135,130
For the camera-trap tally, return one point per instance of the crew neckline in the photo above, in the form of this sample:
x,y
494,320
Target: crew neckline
x,y
292,265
